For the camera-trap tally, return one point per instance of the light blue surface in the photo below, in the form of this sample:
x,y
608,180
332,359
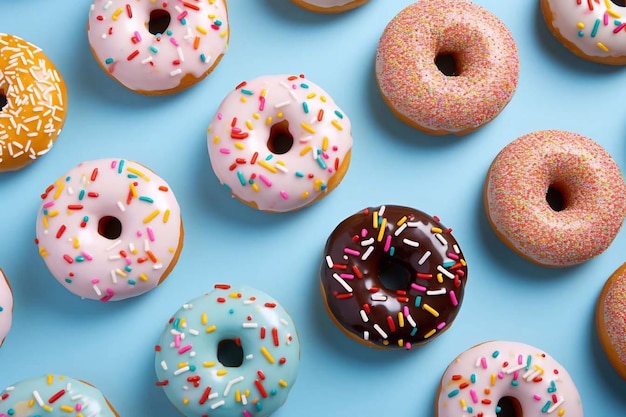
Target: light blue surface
x,y
506,297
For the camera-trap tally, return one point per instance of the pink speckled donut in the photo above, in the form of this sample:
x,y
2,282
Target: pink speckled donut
x,y
557,198
611,319
446,66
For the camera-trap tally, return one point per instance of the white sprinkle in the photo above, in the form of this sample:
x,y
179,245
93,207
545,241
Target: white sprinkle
x,y
97,290
424,258
121,206
366,335
38,398
164,365
250,325
379,297
213,396
113,276
380,331
116,243
364,316
249,357
514,368
367,253
244,399
329,261
400,229
444,271
441,239
147,60
282,104
413,224
343,283
157,266
531,374
456,249
440,291
410,242
217,404
381,211
176,72
194,332
231,383
367,242
181,370
411,321
284,322
556,404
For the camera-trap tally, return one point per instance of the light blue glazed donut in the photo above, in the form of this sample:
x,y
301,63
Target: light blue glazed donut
x,y
231,352
54,396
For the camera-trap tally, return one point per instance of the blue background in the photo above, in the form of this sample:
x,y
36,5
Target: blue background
x,y
111,345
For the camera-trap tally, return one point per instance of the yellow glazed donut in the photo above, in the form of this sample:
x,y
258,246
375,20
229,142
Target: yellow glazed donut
x,y
279,143
611,319
557,198
446,66
157,47
592,29
329,6
33,100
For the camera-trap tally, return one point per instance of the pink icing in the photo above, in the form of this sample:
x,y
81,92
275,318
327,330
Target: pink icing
x,y
98,262
6,307
196,37
614,316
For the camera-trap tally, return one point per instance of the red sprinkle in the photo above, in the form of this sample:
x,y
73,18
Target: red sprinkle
x,y
56,396
260,387
60,231
275,336
205,395
132,55
162,383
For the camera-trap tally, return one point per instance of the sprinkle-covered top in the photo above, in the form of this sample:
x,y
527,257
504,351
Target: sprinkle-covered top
x,y
393,276
109,229
475,382
6,307
54,396
150,46
611,316
231,352
33,100
277,142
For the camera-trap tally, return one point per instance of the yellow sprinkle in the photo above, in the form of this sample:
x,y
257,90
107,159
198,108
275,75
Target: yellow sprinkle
x,y
234,295
182,364
305,150
614,14
375,220
282,383
47,408
204,319
53,213
59,190
133,190
138,173
223,34
121,273
76,243
305,194
493,380
80,415
240,145
201,30
183,322
268,121
430,310
117,13
249,124
255,187
151,216
208,364
318,184
325,143
337,125
216,139
607,4
238,396
307,127
602,46
264,92
143,277
185,401
281,163
400,342
222,372
267,354
439,278
436,230
279,115
580,25
243,99
45,222
43,252
561,412
31,403
462,261
166,215
256,116
66,408
267,166
323,99
385,342
211,328
401,221
311,95
50,379
430,333
400,319
383,228
463,403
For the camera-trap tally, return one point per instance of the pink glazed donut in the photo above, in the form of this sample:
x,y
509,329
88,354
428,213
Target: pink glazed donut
x,y
158,47
6,307
496,376
611,319
109,229
329,6
556,198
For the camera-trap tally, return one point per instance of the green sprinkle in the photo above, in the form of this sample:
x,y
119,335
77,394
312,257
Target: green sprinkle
x,y
68,280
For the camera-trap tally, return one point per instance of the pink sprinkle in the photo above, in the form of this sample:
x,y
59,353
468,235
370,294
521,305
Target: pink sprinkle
x,y
441,325
48,205
236,129
335,148
128,261
351,252
262,103
246,413
137,36
453,256
325,155
418,287
483,362
618,28
95,281
537,397
284,195
346,276
139,234
515,375
293,86
113,164
184,349
177,340
606,19
174,41
500,375
150,234
455,302
459,272
519,359
474,396
219,116
225,151
387,243
405,310
182,15
265,180
87,256
363,232
79,407
407,345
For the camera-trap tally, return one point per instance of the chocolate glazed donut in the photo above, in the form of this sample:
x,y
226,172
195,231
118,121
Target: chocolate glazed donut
x,y
392,277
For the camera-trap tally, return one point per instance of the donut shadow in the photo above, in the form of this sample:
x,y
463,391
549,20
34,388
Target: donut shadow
x,y
552,47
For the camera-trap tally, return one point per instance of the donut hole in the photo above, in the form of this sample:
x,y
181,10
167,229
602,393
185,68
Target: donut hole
x,y
556,197
159,21
230,353
448,64
3,99
110,227
280,139
394,276
509,407
621,3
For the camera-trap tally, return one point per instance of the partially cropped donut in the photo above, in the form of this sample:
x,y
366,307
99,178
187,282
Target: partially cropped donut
x,y
511,378
611,319
231,352
446,66
157,48
33,103
392,277
592,29
279,143
54,396
6,307
109,229
557,198
329,6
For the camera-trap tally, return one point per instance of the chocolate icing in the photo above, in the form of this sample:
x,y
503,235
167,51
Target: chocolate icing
x,y
354,257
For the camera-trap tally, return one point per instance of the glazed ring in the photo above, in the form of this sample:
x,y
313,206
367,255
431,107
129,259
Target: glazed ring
x,y
511,378
109,229
279,143
230,352
592,29
54,396
329,6
6,307
392,277
446,66
611,319
556,198
33,100
157,49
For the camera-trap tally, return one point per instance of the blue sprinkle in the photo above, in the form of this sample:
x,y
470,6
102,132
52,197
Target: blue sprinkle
x,y
80,258
495,354
418,300
169,32
203,57
338,113
131,282
448,264
515,383
413,331
81,195
273,392
133,176
580,34
259,406
192,368
120,167
68,280
183,21
242,179
128,268
305,107
153,49
392,250
268,157
453,393
299,174
231,311
146,199
321,162
109,60
246,92
303,85
473,378
498,409
545,407
1,309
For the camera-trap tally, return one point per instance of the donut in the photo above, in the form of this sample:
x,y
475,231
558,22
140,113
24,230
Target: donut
x,y
6,307
611,319
556,198
109,229
33,103
54,396
329,6
392,277
446,66
591,29
230,352
158,48
279,143
511,378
